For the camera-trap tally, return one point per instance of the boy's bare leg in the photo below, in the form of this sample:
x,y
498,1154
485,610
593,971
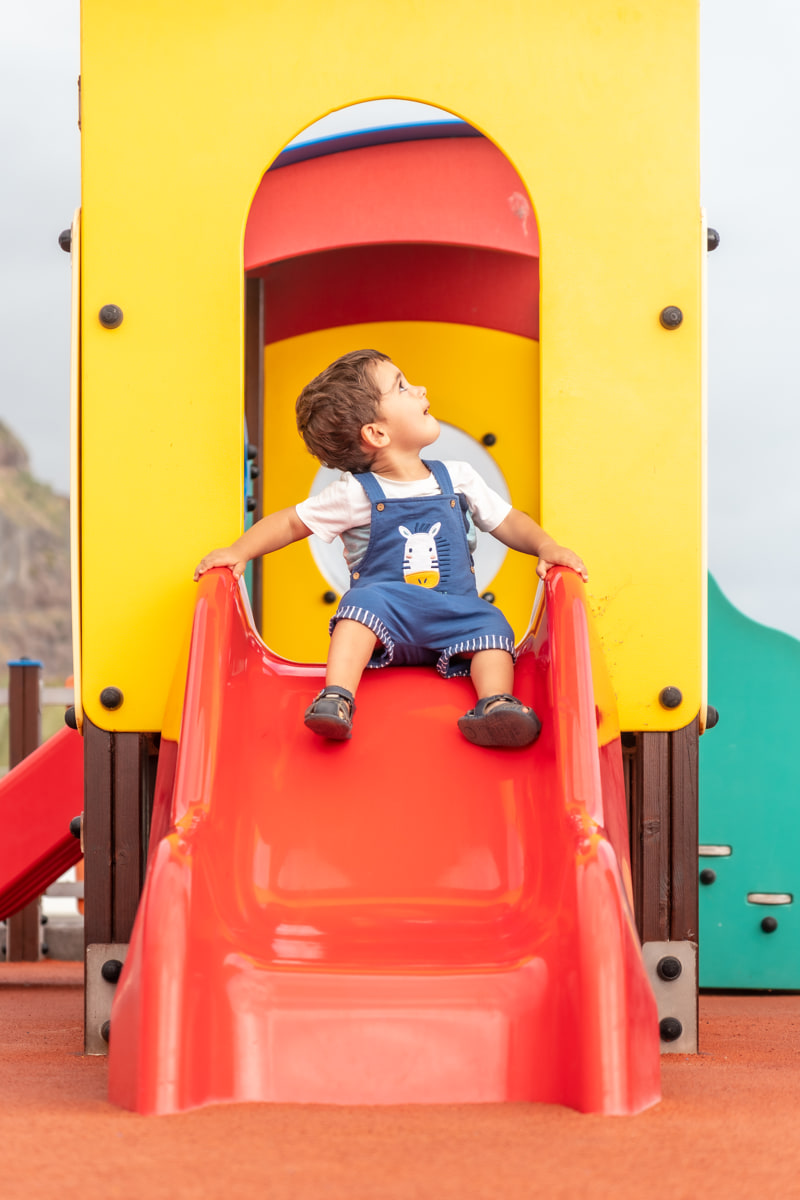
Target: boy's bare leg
x,y
349,652
492,673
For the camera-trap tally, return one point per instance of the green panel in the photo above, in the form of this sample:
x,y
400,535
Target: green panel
x,y
750,801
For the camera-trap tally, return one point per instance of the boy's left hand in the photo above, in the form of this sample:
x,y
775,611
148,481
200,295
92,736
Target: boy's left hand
x,y
554,555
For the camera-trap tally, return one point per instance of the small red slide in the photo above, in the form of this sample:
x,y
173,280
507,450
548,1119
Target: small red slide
x,y
399,918
38,799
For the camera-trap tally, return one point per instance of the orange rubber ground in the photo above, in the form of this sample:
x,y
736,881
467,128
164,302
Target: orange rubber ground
x,y
727,1126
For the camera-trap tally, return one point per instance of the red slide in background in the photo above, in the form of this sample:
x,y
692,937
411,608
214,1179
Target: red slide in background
x,y
399,918
38,799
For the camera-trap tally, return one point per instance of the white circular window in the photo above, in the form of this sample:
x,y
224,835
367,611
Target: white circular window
x,y
452,443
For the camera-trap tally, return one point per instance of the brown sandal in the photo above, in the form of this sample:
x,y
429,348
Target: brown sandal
x,y
508,722
330,714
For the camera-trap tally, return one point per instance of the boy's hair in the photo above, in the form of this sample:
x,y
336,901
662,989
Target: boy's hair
x,y
332,409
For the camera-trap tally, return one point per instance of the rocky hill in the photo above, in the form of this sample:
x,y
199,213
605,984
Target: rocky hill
x,y
34,566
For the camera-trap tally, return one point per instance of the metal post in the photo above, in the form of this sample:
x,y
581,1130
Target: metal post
x,y
24,735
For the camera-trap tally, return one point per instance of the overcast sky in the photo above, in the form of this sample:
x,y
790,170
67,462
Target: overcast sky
x,y
750,176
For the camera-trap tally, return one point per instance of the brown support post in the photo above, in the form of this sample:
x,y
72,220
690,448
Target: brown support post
x,y
254,412
661,776
98,771
119,781
24,735
130,802
684,753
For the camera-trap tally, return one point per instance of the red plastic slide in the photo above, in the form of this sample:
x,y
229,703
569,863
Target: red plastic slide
x,y
399,918
38,799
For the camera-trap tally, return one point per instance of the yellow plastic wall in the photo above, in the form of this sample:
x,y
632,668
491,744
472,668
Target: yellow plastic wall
x,y
183,107
480,380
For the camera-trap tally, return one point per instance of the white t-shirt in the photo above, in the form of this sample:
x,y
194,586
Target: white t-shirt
x,y
344,505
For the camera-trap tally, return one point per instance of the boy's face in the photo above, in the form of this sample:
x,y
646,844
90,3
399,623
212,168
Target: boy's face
x,y
404,412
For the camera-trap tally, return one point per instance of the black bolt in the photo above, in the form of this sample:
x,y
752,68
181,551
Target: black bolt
x,y
670,697
69,717
111,698
329,597
769,924
669,968
489,439
713,238
255,470
670,317
628,740
488,596
111,970
65,240
45,948
43,919
670,1029
251,504
76,825
105,1031
251,451
110,316
708,876
712,717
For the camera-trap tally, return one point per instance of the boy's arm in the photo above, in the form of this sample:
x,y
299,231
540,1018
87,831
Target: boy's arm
x,y
520,532
272,532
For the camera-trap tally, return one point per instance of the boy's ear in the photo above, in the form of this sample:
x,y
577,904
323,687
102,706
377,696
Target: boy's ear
x,y
375,436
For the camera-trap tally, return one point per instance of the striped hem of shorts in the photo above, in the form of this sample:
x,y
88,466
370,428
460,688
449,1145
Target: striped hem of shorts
x,y
488,641
364,617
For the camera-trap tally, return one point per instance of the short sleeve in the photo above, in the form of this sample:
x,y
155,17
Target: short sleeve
x,y
341,505
489,509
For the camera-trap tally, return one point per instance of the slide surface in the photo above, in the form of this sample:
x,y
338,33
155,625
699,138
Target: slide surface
x,y
38,799
399,918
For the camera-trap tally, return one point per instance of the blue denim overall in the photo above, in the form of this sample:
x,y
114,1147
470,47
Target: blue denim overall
x,y
415,586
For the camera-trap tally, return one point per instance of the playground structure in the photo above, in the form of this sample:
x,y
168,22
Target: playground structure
x,y
590,385
749,780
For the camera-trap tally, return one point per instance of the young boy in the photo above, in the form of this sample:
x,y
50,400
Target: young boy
x,y
407,528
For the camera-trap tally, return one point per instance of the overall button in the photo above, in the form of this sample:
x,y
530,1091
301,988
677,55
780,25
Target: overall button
x,y
452,503
379,507
356,574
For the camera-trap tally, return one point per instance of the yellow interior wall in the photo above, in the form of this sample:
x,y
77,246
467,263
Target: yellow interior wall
x,y
480,380
184,105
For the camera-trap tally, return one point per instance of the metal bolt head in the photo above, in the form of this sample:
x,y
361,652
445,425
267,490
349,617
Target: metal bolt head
x,y
111,970
111,698
670,697
105,1031
70,719
669,967
712,238
769,924
489,439
489,597
65,240
670,317
329,597
110,316
707,876
75,826
670,1029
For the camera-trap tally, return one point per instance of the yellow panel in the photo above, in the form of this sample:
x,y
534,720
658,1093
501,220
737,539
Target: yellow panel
x,y
183,107
479,380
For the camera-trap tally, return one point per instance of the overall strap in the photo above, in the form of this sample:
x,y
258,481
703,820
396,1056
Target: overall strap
x,y
370,485
441,475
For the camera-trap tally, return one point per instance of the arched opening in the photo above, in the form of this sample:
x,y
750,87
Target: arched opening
x,y
418,238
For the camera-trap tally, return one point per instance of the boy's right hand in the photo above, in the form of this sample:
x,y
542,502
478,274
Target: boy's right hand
x,y
224,557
